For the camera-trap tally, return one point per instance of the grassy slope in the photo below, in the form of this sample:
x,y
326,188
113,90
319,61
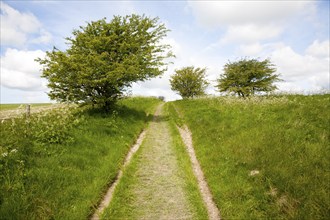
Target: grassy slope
x,y
125,195
285,138
66,181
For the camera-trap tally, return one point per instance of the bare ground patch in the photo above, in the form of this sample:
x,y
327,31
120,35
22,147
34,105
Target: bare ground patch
x,y
212,210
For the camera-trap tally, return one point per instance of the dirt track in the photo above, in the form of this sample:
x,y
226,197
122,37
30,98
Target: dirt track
x,y
157,191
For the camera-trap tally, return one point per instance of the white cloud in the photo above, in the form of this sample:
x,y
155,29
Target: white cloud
x,y
290,87
219,13
302,71
155,87
44,38
319,49
20,96
20,71
16,27
159,86
250,21
36,96
253,49
250,33
176,47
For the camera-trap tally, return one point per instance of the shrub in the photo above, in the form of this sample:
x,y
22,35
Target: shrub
x,y
189,82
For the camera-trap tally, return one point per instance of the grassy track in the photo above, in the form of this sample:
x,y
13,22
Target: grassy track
x,y
264,157
159,183
66,180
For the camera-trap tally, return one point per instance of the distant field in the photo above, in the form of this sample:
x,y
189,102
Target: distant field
x,y
4,107
8,111
265,157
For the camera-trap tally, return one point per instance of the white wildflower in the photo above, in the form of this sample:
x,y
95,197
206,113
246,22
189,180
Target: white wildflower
x,y
273,191
254,172
5,154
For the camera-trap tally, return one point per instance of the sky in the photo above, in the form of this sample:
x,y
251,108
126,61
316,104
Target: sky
x,y
294,35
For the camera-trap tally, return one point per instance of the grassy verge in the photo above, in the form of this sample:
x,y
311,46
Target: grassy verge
x,y
123,197
58,163
265,157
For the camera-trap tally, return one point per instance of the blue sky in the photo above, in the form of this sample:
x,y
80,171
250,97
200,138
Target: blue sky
x,y
294,35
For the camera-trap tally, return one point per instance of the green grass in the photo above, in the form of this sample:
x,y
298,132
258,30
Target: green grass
x,y
4,107
120,206
66,179
285,138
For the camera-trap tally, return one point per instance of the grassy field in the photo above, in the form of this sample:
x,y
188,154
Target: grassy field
x,y
264,157
4,107
57,164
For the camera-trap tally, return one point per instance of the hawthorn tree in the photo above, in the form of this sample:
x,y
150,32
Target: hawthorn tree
x,y
247,77
189,82
105,58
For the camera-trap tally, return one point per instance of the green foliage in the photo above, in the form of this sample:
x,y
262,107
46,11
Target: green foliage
x,y
285,138
45,133
247,77
47,127
63,176
189,82
105,58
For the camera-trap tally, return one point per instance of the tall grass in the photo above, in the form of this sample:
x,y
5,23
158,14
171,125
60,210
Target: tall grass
x,y
57,165
264,157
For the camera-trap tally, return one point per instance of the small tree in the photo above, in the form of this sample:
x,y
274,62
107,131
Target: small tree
x,y
161,98
246,77
189,82
105,58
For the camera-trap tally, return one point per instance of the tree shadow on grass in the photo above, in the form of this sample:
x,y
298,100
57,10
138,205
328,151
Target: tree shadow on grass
x,y
125,113
160,118
119,111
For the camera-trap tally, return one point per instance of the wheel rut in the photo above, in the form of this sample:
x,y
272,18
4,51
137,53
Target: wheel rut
x,y
212,210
